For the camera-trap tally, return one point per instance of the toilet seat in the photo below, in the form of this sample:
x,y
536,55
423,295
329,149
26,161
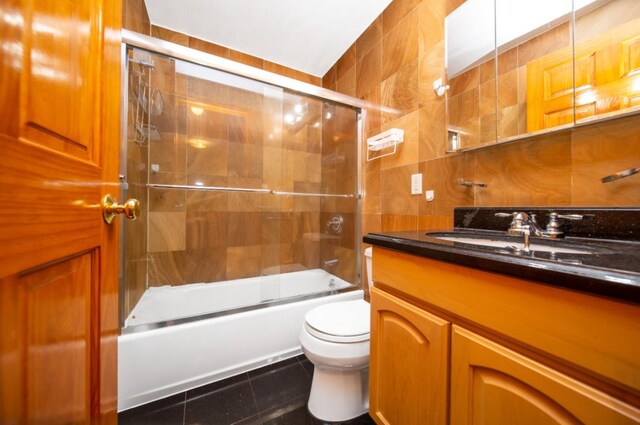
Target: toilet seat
x,y
341,322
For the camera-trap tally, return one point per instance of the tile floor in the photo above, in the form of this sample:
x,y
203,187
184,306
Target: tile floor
x,y
275,395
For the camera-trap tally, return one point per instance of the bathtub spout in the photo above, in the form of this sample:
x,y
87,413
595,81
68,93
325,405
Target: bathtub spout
x,y
330,263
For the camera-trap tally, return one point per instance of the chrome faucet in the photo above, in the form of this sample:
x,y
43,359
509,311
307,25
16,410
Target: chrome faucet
x,y
523,224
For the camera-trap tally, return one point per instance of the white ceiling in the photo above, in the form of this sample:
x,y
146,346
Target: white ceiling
x,y
307,35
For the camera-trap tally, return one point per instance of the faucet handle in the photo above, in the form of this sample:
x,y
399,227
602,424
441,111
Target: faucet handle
x,y
518,217
553,226
502,214
519,223
570,216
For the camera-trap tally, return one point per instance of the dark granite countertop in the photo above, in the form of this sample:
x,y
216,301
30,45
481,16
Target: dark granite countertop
x,y
611,268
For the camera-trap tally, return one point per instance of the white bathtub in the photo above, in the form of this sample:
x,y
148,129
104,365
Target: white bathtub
x,y
157,363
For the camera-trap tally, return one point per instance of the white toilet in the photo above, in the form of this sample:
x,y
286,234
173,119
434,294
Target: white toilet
x,y
335,338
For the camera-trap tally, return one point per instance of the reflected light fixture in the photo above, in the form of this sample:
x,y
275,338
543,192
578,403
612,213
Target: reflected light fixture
x,y
289,119
198,143
196,110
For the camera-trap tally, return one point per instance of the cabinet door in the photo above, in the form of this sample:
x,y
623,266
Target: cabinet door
x,y
491,384
409,363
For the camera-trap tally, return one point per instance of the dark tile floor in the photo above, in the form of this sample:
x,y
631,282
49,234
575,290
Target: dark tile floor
x,y
275,395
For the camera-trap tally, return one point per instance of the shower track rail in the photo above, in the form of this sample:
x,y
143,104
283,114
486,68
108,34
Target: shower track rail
x,y
245,189
134,39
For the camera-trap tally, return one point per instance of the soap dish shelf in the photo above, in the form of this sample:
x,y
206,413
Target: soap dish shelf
x,y
384,140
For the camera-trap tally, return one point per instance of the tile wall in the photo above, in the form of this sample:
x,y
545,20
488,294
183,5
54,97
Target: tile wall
x,y
393,64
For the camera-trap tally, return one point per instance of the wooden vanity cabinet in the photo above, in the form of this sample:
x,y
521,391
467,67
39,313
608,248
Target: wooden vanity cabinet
x,y
409,363
511,351
491,384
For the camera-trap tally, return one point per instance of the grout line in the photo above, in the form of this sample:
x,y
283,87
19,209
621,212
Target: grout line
x,y
303,368
253,393
310,375
288,406
184,409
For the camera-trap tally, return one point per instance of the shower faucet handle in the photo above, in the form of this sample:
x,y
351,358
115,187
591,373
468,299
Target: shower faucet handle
x,y
335,224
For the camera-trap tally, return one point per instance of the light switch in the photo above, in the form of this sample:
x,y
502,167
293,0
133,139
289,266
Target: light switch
x,y
416,184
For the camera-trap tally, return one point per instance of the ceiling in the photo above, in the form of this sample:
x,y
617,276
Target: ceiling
x,y
306,35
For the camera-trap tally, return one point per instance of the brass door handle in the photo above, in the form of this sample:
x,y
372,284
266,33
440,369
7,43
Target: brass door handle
x,y
111,208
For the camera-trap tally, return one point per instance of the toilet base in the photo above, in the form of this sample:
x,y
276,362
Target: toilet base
x,y
339,394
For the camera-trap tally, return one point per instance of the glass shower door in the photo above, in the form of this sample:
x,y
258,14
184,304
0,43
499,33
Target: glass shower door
x,y
248,192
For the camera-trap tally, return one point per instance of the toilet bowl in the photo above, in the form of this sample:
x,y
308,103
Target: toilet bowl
x,y
335,338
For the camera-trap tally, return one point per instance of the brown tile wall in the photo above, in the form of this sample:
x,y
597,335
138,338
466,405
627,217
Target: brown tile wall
x,y
213,236
396,60
135,16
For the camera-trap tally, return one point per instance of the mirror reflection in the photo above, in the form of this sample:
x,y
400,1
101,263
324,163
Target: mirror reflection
x,y
470,71
536,85
607,69
535,66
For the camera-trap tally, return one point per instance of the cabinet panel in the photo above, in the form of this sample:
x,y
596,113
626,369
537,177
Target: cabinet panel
x,y
61,66
409,363
492,384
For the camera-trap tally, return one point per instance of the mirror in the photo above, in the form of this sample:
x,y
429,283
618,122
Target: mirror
x,y
607,39
528,59
470,72
534,66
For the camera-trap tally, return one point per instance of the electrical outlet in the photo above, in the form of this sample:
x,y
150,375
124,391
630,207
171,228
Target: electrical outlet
x,y
416,184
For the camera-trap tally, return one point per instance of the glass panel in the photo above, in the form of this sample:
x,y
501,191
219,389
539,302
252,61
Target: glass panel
x,y
231,172
471,70
535,66
607,58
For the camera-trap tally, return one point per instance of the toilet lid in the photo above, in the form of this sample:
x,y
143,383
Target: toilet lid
x,y
345,321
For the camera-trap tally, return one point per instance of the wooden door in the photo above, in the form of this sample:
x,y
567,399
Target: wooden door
x,y
491,384
408,364
59,140
550,90
606,70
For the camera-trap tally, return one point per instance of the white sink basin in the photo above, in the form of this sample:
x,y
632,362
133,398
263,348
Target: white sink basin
x,y
511,244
